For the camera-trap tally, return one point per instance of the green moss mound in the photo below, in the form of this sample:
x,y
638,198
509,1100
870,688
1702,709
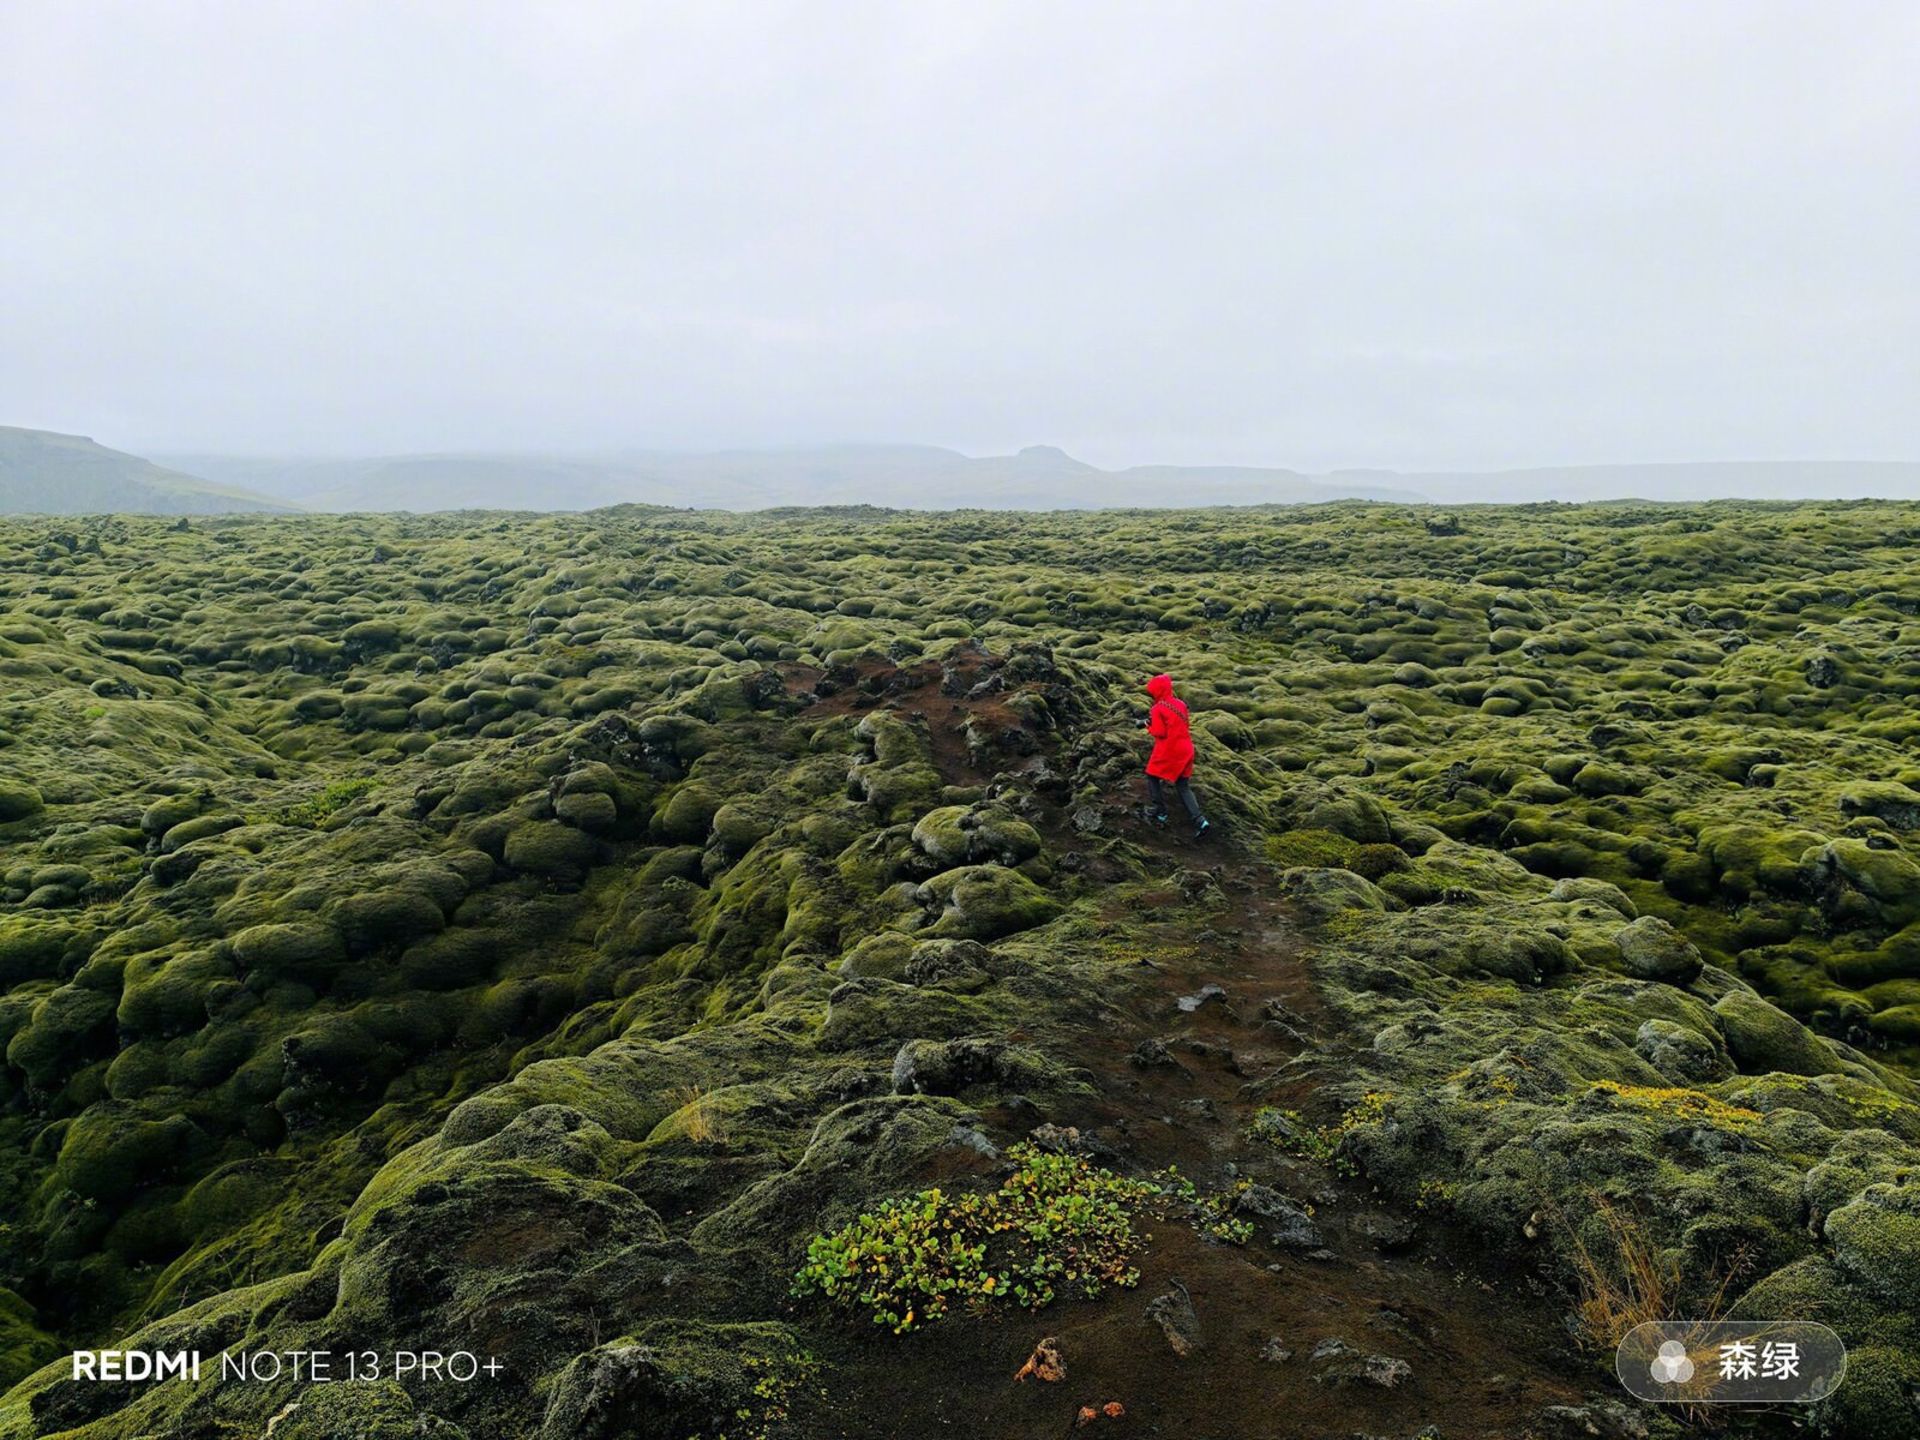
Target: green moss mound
x,y
541,927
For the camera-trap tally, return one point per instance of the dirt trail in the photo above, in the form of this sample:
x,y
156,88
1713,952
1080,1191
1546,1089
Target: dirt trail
x,y
1180,1084
1484,1355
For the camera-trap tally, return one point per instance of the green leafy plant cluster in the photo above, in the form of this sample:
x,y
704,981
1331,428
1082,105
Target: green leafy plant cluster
x,y
1211,1212
1056,1223
1288,1133
776,1381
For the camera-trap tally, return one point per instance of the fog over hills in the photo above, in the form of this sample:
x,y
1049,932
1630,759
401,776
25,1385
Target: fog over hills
x,y
1709,480
44,473
920,477
1040,477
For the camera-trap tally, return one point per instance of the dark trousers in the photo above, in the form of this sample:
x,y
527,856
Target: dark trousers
x,y
1157,796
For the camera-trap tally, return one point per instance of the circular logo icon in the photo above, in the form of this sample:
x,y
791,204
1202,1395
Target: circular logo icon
x,y
1671,1366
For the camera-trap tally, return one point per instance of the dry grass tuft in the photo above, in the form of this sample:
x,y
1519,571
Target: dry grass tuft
x,y
1628,1280
696,1109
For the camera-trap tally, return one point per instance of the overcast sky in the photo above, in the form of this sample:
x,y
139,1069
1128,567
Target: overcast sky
x,y
1418,235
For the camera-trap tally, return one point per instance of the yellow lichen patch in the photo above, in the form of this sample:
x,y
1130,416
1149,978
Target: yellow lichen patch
x,y
1680,1103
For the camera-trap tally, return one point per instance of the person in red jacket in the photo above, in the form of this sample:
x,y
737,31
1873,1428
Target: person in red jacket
x,y
1172,758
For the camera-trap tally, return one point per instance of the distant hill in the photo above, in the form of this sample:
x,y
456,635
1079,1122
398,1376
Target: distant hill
x,y
66,474
921,477
421,483
1709,480
44,473
1040,477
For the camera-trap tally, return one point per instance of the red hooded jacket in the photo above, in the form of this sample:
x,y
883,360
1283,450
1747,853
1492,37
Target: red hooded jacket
x,y
1172,756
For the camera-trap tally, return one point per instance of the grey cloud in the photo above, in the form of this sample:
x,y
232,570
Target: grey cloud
x,y
1410,235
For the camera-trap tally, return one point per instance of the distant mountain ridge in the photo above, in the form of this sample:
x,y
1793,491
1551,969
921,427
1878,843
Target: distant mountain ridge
x,y
918,477
43,472
1040,477
48,473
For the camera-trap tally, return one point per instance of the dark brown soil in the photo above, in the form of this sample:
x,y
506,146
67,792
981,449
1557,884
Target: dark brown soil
x,y
929,693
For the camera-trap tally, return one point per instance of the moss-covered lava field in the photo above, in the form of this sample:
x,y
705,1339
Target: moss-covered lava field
x,y
644,949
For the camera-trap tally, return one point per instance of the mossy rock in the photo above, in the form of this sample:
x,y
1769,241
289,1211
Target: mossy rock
x,y
385,918
550,849
35,949
1877,1400
362,1409
68,877
1876,1239
1375,862
1598,892
318,705
1681,1053
1763,1038
652,928
739,827
986,902
1859,1158
1597,777
882,956
111,1150
1312,849
1886,877
1324,892
590,810
939,836
19,801
1897,1024
963,965
1810,1288
1358,817
959,835
1896,804
687,817
1895,958
591,777
1522,954
301,949
331,1056
454,958
949,1067
675,1379
1538,790
24,1346
1651,949
855,1152
66,1029
1229,729
163,814
166,994
375,711
201,827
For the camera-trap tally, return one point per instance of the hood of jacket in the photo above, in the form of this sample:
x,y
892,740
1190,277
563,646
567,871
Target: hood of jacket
x,y
1160,687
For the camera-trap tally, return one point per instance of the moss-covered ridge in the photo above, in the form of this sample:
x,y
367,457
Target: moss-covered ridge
x,y
1520,1077
481,922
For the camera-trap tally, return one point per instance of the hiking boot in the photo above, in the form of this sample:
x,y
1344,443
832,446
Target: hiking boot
x,y
1159,819
1201,827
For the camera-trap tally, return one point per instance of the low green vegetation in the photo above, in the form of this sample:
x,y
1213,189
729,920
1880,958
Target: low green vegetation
x,y
565,930
1054,1223
315,812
